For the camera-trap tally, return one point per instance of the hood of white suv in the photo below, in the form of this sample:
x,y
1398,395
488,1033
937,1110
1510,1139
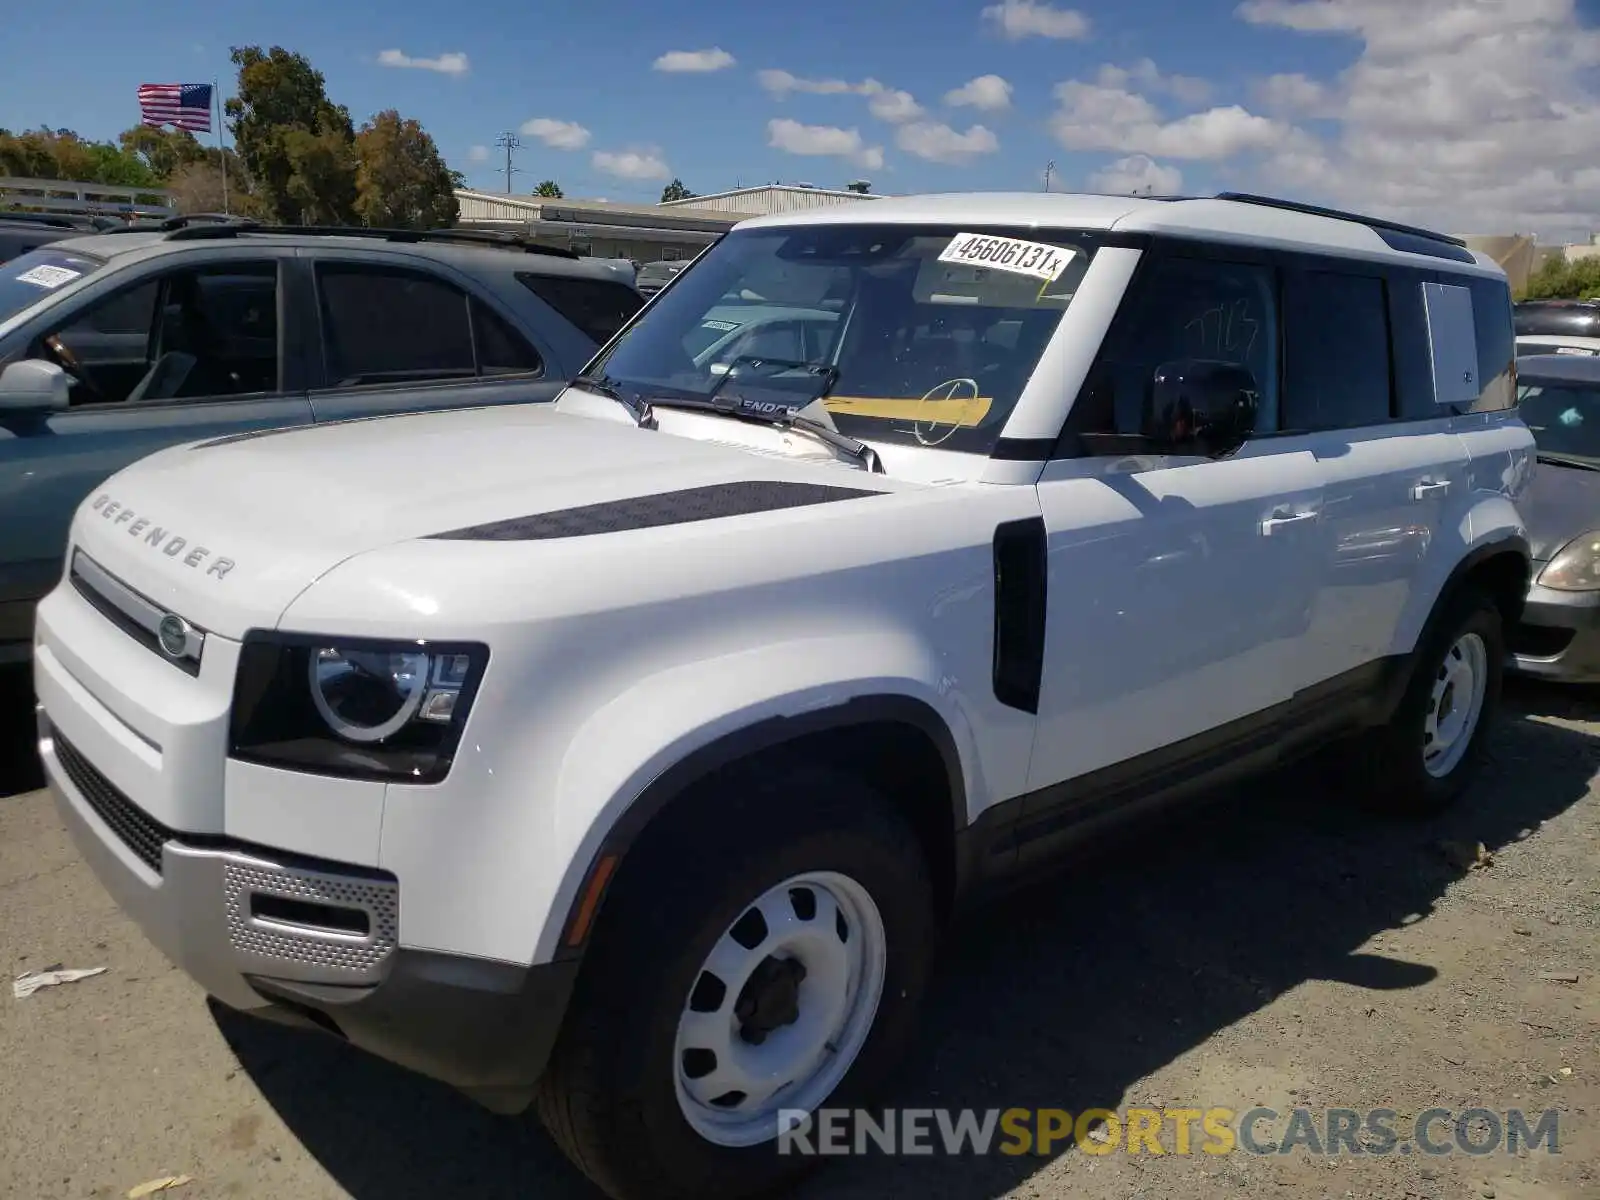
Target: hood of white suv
x,y
228,533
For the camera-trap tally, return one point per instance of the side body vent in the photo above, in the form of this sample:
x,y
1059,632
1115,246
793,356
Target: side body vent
x,y
1020,583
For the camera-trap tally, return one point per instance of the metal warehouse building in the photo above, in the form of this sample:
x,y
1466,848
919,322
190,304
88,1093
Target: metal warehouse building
x,y
642,232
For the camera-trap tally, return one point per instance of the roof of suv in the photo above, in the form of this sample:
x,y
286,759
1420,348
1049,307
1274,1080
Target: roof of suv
x,y
1229,216
459,248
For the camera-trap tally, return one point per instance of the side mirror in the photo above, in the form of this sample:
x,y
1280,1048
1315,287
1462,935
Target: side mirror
x,y
34,386
1198,406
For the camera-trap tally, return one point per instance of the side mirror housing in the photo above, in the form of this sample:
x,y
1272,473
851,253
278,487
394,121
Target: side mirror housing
x,y
1198,406
34,386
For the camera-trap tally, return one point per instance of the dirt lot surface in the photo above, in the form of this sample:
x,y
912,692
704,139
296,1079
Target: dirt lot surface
x,y
1273,950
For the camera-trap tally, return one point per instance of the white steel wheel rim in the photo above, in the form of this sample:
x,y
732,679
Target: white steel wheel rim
x,y
731,1089
1455,705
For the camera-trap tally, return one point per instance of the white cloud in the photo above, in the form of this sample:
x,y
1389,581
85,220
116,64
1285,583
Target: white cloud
x,y
558,135
632,164
1470,115
986,93
1294,94
453,63
823,140
1185,88
884,102
1137,173
1026,18
941,144
894,106
1093,116
478,154
714,59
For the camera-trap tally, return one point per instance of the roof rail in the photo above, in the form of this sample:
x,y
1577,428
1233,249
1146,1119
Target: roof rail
x,y
1338,215
180,229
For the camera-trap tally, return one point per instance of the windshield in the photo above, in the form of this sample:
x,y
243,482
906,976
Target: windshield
x,y
31,277
1564,418
933,332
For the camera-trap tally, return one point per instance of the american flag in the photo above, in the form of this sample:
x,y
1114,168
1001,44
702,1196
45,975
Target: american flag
x,y
184,105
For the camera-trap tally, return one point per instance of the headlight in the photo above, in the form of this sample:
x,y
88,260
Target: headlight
x,y
1576,568
352,706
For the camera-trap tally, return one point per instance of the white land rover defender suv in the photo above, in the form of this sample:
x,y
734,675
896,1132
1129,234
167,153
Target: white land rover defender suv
x,y
627,754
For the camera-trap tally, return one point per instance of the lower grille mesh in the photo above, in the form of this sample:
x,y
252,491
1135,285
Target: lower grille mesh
x,y
139,832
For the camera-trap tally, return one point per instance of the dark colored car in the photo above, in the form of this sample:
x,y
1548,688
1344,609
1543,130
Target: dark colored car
x,y
22,232
1559,635
203,328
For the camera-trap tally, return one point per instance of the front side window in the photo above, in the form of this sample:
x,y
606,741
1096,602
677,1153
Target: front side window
x,y
1563,417
929,334
199,334
1181,308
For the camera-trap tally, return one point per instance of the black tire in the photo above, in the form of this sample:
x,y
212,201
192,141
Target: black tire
x,y
609,1096
1388,761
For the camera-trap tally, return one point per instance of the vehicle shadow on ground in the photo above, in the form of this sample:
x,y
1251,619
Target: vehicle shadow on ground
x,y
1062,996
20,770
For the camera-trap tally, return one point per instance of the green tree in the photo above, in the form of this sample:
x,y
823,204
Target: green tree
x,y
162,151
401,181
1559,279
297,145
549,188
61,154
676,191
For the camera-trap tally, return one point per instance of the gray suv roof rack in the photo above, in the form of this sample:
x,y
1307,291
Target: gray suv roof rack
x,y
209,227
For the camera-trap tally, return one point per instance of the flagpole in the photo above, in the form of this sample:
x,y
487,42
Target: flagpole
x,y
222,153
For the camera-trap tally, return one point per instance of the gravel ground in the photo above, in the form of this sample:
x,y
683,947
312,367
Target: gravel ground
x,y
1274,949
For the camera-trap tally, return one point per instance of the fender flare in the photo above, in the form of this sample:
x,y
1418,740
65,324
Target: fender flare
x,y
762,735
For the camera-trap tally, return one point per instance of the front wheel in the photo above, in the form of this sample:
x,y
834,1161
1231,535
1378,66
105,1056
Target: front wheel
x,y
762,956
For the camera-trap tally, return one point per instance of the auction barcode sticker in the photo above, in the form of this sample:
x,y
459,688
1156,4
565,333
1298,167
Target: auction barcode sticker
x,y
1007,254
46,276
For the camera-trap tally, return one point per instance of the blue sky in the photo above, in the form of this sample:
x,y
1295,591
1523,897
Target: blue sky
x,y
591,64
1472,113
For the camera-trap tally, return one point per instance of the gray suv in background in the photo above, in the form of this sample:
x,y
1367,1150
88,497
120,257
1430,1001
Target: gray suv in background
x,y
117,344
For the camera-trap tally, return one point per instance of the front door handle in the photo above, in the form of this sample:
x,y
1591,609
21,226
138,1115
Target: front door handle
x,y
1423,490
1283,521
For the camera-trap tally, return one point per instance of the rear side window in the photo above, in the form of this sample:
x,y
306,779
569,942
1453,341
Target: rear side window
x,y
597,307
392,325
1336,351
1497,344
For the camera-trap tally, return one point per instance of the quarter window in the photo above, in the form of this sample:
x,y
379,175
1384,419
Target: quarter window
x,y
597,307
1336,351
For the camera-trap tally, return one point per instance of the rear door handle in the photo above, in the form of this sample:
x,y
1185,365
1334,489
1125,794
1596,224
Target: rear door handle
x,y
1283,521
1423,490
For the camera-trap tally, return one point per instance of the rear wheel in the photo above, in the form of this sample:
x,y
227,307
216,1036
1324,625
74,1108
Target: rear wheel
x,y
764,951
1421,761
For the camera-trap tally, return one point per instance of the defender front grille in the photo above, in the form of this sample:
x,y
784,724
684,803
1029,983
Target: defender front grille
x,y
324,937
161,632
138,831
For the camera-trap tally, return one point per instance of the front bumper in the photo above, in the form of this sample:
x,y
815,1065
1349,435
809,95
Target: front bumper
x,y
1558,637
312,943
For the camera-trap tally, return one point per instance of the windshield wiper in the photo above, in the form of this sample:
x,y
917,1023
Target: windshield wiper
x,y
1567,460
605,386
783,415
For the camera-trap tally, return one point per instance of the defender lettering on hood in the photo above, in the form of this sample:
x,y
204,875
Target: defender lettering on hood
x,y
157,536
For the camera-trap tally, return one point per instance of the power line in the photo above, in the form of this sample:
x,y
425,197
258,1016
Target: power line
x,y
509,141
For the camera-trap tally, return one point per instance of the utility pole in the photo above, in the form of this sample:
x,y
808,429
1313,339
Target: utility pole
x,y
1049,170
510,142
